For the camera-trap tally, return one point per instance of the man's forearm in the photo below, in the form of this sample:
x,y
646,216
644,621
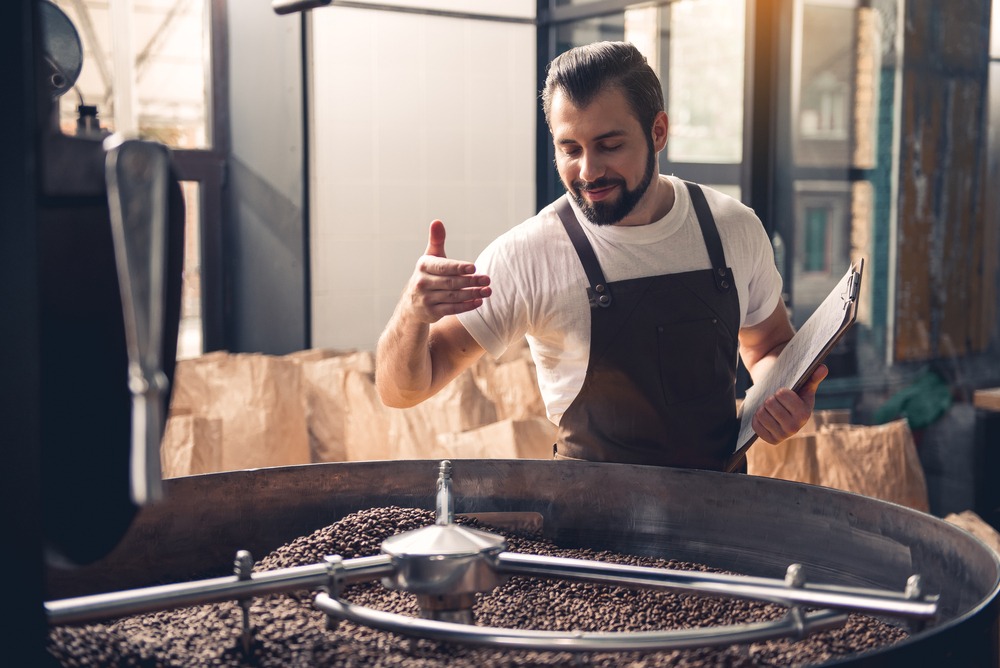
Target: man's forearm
x,y
761,344
403,363
759,367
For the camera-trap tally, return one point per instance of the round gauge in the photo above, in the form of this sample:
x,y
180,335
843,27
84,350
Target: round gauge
x,y
63,52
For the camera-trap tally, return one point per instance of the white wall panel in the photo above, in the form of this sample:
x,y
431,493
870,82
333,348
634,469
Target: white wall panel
x,y
413,117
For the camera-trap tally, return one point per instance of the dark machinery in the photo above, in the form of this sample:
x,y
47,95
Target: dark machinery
x,y
93,237
110,241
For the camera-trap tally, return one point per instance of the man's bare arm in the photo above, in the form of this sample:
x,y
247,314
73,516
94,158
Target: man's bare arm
x,y
785,412
424,346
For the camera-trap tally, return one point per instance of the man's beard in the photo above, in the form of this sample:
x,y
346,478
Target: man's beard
x,y
610,213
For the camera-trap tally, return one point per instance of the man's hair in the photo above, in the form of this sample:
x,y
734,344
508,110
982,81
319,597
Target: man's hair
x,y
585,71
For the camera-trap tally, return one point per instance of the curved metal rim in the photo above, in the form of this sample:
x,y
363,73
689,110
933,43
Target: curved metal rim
x,y
794,624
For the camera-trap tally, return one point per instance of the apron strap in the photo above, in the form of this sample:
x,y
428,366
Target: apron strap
x,y
711,235
598,292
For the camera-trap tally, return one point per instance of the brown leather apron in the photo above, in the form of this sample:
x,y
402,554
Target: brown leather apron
x,y
660,383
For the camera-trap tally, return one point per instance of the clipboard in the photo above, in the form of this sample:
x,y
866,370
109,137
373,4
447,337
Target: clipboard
x,y
803,354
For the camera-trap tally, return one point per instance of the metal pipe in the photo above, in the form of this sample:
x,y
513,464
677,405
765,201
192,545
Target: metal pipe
x,y
846,598
444,503
792,625
282,7
99,607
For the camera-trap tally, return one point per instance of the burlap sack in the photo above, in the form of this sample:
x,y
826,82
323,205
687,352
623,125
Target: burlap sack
x,y
511,384
795,458
316,354
257,399
191,389
374,431
191,445
327,400
458,407
880,461
971,522
366,425
530,438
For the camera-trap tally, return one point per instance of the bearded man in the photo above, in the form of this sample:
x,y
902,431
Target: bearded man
x,y
636,291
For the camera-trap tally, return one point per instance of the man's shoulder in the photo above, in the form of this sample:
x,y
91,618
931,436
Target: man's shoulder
x,y
542,226
726,204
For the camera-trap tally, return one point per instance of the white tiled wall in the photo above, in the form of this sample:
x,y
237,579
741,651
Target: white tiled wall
x,y
413,117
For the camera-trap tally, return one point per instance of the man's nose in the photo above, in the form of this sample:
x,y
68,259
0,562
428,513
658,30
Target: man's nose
x,y
591,167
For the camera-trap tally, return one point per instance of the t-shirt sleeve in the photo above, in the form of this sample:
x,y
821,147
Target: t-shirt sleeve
x,y
765,282
475,324
502,319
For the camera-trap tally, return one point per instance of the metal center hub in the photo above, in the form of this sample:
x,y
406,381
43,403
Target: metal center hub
x,y
444,564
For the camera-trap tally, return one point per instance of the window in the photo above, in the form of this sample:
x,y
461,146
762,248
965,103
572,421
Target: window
x,y
817,219
164,91
697,48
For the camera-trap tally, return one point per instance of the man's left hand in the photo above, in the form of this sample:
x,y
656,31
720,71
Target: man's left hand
x,y
784,413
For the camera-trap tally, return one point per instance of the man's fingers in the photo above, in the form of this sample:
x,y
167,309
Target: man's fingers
x,y
764,425
432,297
435,239
440,310
809,389
440,286
783,414
441,266
780,416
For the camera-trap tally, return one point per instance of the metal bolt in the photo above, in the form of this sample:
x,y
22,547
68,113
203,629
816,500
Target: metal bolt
x,y
795,576
243,568
335,580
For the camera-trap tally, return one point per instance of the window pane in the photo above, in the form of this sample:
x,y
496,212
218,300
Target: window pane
x,y
815,242
825,83
995,30
705,82
598,29
821,252
189,342
170,83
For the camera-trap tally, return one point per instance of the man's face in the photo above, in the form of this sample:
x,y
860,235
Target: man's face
x,y
604,157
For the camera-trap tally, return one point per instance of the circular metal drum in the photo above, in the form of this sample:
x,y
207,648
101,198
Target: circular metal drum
x,y
746,524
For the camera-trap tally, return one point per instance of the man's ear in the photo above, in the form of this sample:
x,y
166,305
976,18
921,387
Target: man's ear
x,y
661,125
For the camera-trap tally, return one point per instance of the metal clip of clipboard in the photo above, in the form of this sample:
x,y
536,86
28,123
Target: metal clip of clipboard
x,y
853,288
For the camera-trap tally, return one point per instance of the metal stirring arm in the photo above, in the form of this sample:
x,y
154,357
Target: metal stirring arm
x,y
791,591
137,175
793,624
416,554
449,564
100,607
335,573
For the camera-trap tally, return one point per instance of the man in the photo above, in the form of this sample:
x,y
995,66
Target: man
x,y
635,291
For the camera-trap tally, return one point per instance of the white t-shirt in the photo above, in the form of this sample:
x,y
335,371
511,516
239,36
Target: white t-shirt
x,y
540,287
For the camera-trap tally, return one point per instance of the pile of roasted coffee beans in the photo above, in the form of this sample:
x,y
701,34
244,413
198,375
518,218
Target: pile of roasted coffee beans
x,y
290,631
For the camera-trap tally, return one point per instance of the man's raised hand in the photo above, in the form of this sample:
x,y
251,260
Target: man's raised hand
x,y
441,287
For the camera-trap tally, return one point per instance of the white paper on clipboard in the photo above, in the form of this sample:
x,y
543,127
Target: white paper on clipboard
x,y
803,354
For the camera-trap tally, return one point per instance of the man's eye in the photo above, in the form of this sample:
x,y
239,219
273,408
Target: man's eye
x,y
611,148
571,152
